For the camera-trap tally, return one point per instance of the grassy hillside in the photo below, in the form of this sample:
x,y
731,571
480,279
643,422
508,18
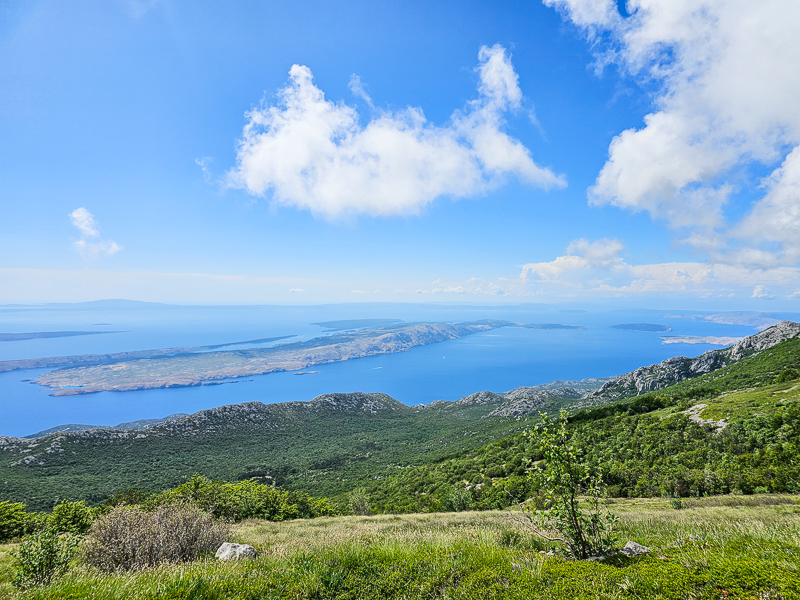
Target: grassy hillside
x,y
646,446
724,547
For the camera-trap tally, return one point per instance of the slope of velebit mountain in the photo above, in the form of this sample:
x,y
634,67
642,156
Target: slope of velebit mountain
x,y
675,370
731,431
328,445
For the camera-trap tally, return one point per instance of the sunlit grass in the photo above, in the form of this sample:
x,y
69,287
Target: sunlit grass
x,y
724,547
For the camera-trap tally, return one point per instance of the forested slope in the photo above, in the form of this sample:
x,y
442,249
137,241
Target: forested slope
x,y
744,439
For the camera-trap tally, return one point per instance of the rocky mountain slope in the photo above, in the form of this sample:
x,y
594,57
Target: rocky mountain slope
x,y
680,368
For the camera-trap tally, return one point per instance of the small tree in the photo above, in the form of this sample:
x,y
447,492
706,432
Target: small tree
x,y
564,478
358,502
43,557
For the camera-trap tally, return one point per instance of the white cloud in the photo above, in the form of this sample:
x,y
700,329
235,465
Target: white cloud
x,y
595,269
297,290
728,85
761,292
85,222
313,154
776,218
204,164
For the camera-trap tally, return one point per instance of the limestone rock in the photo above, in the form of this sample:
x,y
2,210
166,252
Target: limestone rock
x,y
634,549
231,551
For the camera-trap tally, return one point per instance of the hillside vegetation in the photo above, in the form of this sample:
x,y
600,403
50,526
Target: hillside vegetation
x,y
662,443
420,458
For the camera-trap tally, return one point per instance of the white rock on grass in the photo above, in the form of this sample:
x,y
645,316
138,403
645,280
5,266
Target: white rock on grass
x,y
634,549
231,551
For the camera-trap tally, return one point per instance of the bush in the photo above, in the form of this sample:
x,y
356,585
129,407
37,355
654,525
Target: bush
x,y
71,517
15,522
358,502
788,375
458,500
242,500
12,520
43,557
129,539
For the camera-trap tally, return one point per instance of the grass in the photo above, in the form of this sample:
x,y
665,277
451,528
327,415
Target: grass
x,y
716,547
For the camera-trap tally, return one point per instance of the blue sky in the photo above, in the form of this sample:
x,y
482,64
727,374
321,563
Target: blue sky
x,y
384,151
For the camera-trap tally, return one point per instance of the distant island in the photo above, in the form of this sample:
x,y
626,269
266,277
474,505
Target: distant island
x,y
39,335
643,327
99,359
551,326
201,368
356,323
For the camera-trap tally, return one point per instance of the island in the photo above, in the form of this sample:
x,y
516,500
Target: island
x,y
343,324
98,359
202,368
40,335
552,326
643,327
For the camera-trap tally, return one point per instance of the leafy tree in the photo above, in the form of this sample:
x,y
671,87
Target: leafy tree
x,y
564,478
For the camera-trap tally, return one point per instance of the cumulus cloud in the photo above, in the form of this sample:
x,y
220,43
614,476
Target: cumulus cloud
x,y
89,245
728,84
595,268
314,154
761,292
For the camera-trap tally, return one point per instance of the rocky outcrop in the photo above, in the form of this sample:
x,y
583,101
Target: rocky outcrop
x,y
680,368
531,401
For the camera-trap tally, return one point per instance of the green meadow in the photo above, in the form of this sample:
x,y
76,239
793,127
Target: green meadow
x,y
715,547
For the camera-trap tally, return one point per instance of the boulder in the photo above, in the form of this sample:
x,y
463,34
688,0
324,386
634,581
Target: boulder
x,y
231,551
634,549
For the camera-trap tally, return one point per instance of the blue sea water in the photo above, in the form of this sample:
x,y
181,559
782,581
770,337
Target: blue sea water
x,y
497,360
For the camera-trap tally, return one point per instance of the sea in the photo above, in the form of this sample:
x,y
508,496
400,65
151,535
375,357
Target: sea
x,y
497,360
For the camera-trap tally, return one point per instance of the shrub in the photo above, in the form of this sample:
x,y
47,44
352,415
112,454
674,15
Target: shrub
x,y
129,496
564,477
358,502
676,503
12,520
71,517
129,539
15,522
43,557
242,500
787,375
458,500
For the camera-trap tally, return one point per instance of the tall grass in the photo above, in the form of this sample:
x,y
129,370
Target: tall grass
x,y
705,551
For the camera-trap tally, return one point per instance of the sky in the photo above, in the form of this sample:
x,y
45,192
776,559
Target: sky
x,y
567,151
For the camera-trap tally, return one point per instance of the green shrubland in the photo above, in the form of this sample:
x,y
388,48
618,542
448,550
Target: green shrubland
x,y
644,446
